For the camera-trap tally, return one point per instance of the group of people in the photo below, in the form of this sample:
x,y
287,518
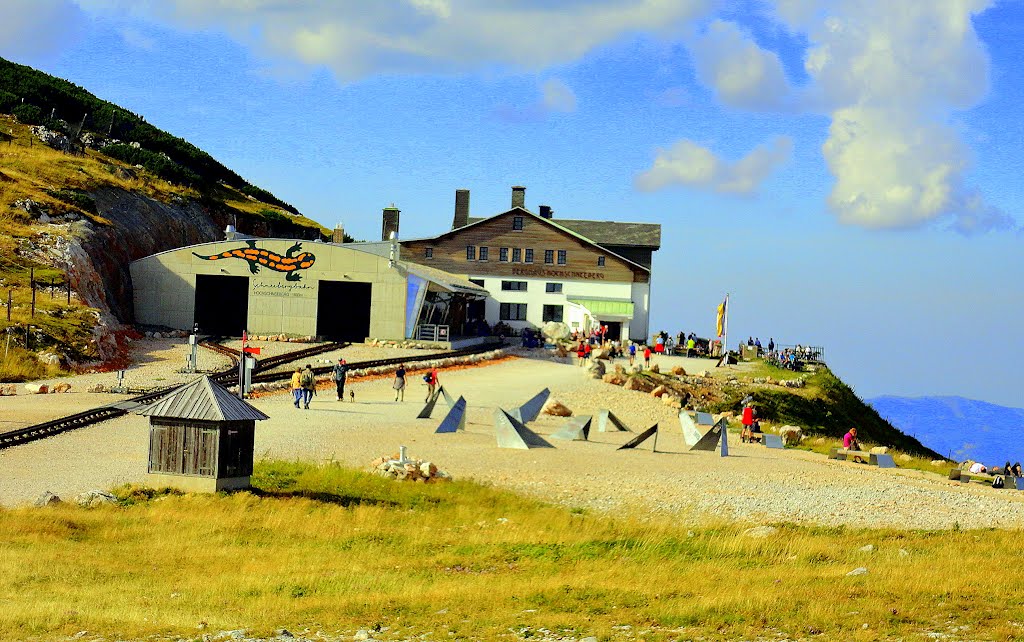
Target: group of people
x,y
304,383
615,350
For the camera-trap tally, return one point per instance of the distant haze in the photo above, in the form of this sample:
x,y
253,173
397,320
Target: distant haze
x,y
958,427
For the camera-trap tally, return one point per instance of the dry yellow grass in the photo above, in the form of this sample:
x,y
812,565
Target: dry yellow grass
x,y
336,550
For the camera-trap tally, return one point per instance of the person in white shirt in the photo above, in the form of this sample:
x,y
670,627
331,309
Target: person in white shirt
x,y
978,467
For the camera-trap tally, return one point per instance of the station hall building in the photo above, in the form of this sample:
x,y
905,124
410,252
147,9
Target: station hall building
x,y
537,269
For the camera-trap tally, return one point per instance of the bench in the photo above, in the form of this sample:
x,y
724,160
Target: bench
x,y
875,459
966,477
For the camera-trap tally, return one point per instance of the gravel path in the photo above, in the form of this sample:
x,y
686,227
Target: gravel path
x,y
753,484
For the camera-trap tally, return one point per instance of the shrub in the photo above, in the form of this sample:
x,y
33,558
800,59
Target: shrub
x,y
28,114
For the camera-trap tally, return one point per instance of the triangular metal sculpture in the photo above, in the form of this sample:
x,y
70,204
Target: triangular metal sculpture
x,y
456,418
772,441
511,433
530,410
429,408
704,419
725,437
711,438
690,433
641,438
608,422
576,429
447,397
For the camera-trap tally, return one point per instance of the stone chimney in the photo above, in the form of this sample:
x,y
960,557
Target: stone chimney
x,y
461,209
545,211
519,196
339,233
390,222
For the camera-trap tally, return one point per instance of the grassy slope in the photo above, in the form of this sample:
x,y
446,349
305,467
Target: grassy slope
x,y
826,407
61,182
336,550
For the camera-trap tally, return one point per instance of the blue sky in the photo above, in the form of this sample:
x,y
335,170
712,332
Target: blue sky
x,y
849,171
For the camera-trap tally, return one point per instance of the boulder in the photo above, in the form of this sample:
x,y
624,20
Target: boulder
x,y
62,388
615,378
37,388
93,498
556,409
597,367
706,373
679,371
860,570
656,369
659,391
905,458
791,435
46,499
600,353
619,369
938,462
8,390
770,381
639,384
96,387
879,450
672,401
48,358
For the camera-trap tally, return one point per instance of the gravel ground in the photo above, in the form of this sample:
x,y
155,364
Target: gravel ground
x,y
753,484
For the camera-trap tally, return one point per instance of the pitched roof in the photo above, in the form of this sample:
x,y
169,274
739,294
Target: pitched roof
x,y
554,224
205,400
610,232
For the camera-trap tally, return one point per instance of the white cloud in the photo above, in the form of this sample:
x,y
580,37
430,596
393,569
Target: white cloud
x,y
892,81
355,38
558,96
135,38
30,27
741,73
689,164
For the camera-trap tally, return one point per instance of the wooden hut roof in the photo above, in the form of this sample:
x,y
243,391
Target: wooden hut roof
x,y
205,400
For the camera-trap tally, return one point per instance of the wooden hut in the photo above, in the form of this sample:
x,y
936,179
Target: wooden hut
x,y
201,438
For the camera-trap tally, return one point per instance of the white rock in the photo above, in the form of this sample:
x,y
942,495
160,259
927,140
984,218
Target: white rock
x,y
759,532
868,548
860,570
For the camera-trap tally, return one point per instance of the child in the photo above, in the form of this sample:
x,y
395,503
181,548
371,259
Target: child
x,y
647,357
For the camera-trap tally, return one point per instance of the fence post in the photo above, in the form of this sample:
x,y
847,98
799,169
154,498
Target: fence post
x,y
32,280
68,283
9,294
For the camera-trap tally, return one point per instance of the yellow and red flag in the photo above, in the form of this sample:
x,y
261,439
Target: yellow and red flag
x,y
720,321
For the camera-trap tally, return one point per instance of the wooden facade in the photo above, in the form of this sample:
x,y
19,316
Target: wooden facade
x,y
201,448
583,260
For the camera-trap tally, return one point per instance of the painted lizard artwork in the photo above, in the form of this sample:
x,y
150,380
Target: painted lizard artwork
x,y
290,263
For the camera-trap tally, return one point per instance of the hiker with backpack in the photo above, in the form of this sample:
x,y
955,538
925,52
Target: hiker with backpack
x,y
399,384
308,381
431,380
297,386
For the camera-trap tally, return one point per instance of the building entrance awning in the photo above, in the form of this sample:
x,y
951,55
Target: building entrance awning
x,y
446,282
605,307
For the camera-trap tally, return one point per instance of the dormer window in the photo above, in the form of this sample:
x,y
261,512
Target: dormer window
x,y
517,223
600,261
430,253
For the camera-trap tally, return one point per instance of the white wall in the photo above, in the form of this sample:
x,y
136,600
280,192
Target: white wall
x,y
535,297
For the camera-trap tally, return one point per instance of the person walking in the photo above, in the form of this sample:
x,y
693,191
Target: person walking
x,y
308,385
647,357
431,379
632,353
581,353
690,345
297,386
399,384
340,373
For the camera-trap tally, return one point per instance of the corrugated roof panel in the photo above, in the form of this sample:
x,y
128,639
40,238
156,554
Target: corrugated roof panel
x,y
204,400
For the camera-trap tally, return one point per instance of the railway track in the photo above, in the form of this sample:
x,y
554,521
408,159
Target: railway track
x,y
225,378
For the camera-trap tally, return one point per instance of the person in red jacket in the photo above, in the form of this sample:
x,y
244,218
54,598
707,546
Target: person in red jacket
x,y
748,420
647,357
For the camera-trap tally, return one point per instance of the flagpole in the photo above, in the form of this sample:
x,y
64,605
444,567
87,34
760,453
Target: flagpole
x,y
725,330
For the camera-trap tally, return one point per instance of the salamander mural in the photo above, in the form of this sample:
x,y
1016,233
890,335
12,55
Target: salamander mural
x,y
289,264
